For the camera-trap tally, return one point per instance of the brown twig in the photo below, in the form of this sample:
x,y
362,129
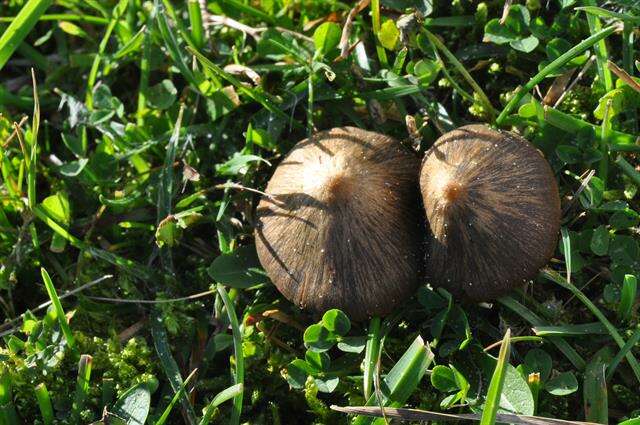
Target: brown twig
x,y
623,75
345,50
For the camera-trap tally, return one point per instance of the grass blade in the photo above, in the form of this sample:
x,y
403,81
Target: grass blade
x,y
494,392
168,363
569,352
8,413
62,318
95,66
596,403
627,296
628,169
375,23
402,379
33,156
566,244
224,395
555,277
20,27
631,342
82,385
600,49
252,94
552,67
617,140
238,376
167,411
571,330
44,403
372,354
463,71
195,17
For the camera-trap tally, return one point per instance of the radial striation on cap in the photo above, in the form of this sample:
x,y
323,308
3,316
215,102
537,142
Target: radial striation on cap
x,y
493,211
340,225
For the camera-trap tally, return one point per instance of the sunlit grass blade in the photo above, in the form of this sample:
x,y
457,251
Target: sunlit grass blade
x,y
371,356
172,45
63,17
566,244
402,380
552,67
20,27
224,395
555,277
238,376
375,23
82,384
627,296
492,402
44,403
169,365
55,301
195,18
600,49
167,411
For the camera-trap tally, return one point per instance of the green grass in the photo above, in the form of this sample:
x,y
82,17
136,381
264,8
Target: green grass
x,y
136,138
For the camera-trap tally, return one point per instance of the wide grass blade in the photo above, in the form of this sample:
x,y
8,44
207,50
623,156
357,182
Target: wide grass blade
x,y
552,67
238,376
55,301
627,296
195,18
596,400
44,403
494,392
402,380
82,384
224,395
20,26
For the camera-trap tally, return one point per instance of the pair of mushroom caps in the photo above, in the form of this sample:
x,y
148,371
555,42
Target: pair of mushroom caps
x,y
341,224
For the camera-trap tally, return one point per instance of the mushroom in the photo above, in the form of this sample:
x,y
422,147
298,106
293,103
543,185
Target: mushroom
x,y
493,211
340,223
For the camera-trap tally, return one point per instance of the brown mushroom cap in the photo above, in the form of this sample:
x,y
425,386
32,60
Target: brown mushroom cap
x,y
493,211
340,227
